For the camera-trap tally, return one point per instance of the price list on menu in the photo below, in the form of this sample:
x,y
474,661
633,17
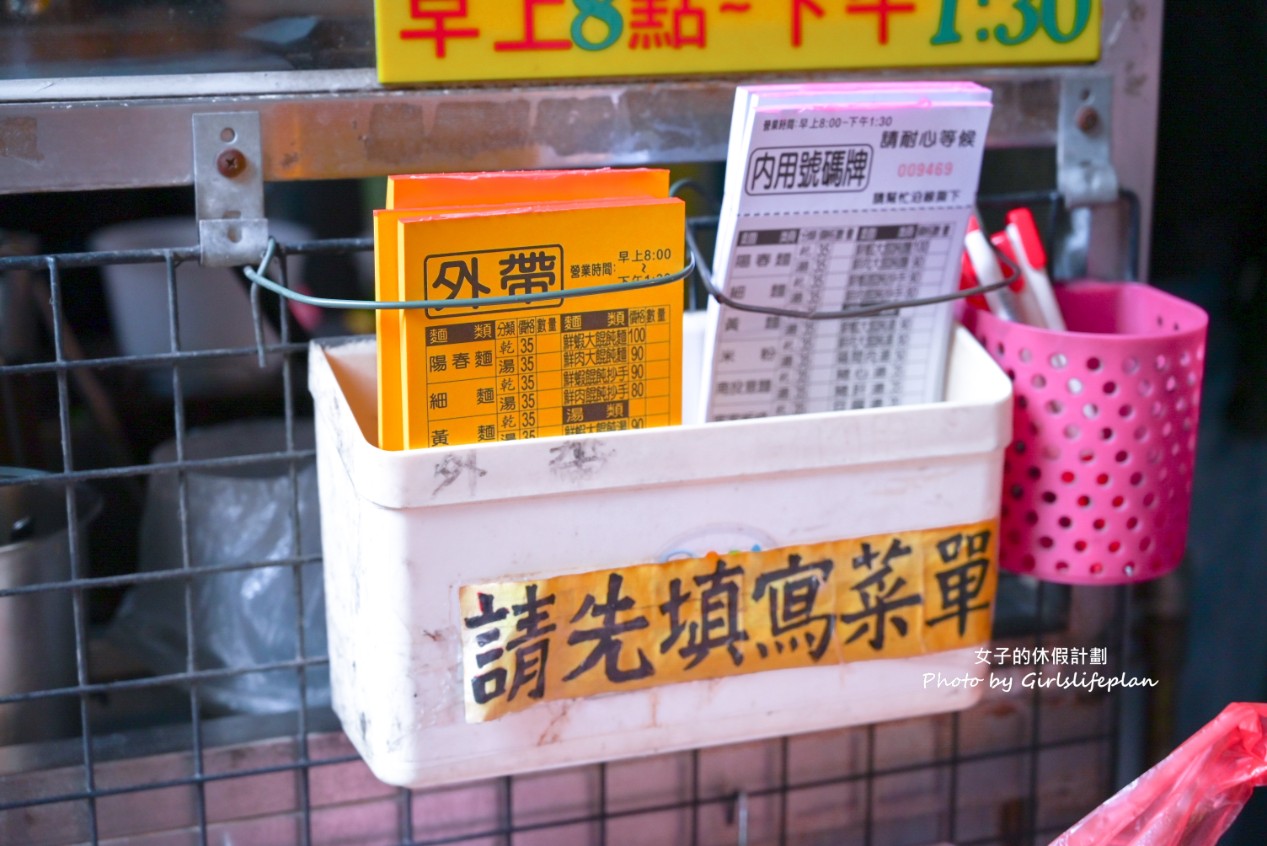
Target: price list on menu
x,y
570,373
852,197
769,364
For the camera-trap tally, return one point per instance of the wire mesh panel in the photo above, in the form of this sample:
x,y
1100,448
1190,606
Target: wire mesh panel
x,y
192,704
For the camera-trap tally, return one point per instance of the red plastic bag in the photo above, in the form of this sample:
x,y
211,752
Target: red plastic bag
x,y
1192,796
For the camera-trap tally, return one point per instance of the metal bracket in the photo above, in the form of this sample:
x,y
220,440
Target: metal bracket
x,y
229,188
1084,156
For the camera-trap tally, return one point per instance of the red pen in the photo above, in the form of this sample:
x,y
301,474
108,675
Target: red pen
x,y
1030,257
1027,307
986,266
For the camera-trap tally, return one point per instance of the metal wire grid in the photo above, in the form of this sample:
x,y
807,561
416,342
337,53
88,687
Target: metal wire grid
x,y
1026,825
79,582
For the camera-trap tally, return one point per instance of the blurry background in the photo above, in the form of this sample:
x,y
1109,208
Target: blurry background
x,y
1210,246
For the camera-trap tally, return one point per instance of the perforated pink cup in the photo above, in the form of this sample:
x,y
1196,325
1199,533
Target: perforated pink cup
x,y
1097,484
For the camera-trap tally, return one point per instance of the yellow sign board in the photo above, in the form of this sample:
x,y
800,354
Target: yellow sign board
x,y
883,596
453,40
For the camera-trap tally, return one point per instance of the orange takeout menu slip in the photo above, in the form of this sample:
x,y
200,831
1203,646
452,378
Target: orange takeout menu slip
x,y
594,363
418,193
418,190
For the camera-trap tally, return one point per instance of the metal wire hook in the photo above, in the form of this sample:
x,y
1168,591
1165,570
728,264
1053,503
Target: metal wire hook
x,y
695,263
676,189
706,277
257,319
259,279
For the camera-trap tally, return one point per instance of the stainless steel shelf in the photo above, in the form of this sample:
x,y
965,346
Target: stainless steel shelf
x,y
340,124
78,134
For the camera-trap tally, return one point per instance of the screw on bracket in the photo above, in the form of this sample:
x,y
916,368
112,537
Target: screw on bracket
x,y
1084,158
1087,119
231,162
228,162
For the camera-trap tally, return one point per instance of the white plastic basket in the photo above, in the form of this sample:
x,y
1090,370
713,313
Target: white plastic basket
x,y
401,531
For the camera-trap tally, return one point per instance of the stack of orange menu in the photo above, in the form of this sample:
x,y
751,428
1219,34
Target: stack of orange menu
x,y
470,372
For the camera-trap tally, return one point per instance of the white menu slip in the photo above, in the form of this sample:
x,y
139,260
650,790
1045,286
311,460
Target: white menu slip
x,y
839,196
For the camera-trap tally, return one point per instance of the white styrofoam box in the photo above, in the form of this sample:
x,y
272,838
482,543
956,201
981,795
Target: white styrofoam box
x,y
401,531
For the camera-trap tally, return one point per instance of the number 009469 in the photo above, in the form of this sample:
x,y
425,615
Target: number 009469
x,y
925,169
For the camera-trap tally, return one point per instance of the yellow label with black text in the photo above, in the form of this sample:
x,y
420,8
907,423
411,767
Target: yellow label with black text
x,y
449,40
601,362
883,596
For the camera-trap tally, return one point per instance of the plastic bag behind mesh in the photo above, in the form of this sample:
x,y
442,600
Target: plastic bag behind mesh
x,y
241,618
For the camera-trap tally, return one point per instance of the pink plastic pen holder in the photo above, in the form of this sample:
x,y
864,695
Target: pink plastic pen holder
x,y
1097,484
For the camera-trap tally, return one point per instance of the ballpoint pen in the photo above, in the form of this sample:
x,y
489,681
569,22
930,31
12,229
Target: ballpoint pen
x,y
1001,301
1027,307
1027,250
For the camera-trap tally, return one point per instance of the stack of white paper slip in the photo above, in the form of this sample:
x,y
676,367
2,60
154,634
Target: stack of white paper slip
x,y
840,195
